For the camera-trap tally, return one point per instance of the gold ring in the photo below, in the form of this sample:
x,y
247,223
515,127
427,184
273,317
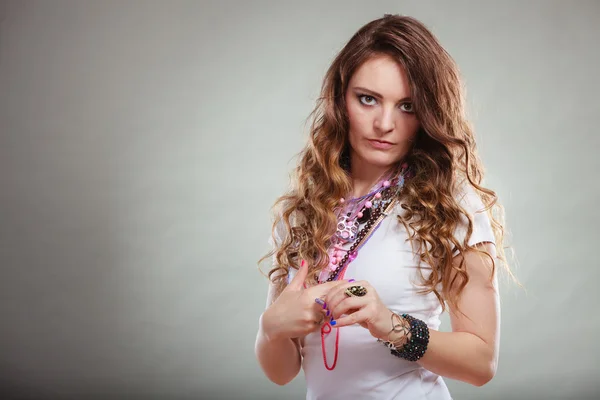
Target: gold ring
x,y
356,290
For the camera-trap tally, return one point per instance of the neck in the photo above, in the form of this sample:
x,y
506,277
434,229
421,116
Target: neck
x,y
365,176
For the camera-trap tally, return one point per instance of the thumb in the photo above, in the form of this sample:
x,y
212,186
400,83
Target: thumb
x,y
298,282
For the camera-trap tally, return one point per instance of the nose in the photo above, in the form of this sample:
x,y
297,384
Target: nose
x,y
384,122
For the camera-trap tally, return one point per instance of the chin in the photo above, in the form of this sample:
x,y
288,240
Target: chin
x,y
381,163
380,160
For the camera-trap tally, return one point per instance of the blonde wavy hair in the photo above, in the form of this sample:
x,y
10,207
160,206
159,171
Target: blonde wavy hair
x,y
444,154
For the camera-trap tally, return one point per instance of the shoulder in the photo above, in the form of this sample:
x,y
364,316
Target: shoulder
x,y
468,197
278,234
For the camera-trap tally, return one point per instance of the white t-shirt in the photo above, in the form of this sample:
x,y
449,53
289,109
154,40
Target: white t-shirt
x,y
365,368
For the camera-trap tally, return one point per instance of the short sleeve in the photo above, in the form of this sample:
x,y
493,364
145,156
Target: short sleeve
x,y
276,238
482,228
275,241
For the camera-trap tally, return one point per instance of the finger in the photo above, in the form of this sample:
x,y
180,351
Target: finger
x,y
357,317
337,296
348,306
321,290
298,280
322,317
326,312
342,288
320,302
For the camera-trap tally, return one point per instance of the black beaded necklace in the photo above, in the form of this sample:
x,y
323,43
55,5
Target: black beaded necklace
x,y
372,216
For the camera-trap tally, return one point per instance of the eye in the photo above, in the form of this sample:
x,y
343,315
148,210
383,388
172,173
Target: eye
x,y
408,107
368,98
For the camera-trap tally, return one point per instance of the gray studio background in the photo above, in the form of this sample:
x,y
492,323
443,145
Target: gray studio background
x,y
143,142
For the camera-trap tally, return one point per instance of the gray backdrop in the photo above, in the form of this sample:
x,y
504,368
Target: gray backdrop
x,y
143,142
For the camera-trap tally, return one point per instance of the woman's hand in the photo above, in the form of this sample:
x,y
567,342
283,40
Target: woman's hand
x,y
295,313
368,311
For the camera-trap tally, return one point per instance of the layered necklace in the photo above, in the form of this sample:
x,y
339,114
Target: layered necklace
x,y
369,210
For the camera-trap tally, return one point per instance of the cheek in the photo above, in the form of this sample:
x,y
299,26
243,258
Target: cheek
x,y
410,128
359,120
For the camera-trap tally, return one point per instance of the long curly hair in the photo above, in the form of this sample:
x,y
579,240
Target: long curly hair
x,y
443,154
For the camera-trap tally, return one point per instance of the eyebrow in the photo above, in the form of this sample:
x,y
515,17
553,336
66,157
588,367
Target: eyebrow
x,y
371,92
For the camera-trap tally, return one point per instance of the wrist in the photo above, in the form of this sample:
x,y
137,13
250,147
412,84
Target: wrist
x,y
384,325
397,330
417,341
269,328
400,333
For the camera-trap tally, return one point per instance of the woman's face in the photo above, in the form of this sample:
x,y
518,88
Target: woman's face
x,y
380,112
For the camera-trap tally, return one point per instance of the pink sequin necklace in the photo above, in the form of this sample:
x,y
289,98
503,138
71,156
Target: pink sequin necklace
x,y
354,212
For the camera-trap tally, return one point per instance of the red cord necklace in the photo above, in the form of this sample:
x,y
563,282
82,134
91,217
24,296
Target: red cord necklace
x,y
389,201
337,341
326,330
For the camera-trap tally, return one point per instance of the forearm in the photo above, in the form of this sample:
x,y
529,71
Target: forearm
x,y
469,352
460,355
279,358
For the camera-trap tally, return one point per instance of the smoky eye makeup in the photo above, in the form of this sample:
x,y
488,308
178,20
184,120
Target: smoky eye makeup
x,y
372,100
361,96
411,106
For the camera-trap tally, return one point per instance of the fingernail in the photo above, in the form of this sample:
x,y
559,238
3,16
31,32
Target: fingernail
x,y
302,263
333,322
319,301
327,314
352,280
324,305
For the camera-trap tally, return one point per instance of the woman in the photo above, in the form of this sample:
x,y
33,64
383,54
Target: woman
x,y
386,227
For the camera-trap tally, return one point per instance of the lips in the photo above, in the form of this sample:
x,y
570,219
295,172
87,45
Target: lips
x,y
380,141
380,144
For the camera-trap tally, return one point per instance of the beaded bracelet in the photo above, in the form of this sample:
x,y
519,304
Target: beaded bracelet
x,y
416,347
